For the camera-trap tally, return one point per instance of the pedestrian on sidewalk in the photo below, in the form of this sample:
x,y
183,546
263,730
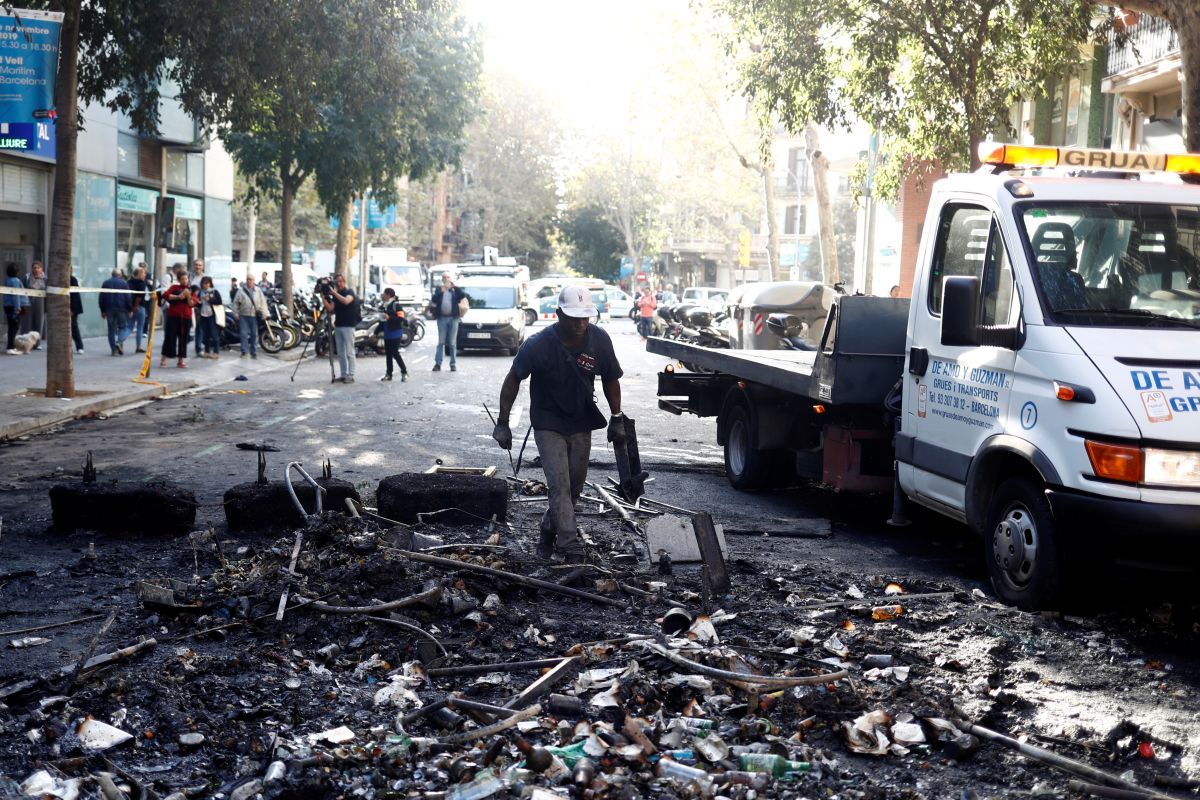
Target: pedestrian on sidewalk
x,y
35,320
137,317
179,300
393,331
116,308
194,281
448,313
76,311
249,305
563,361
340,301
208,334
15,305
646,305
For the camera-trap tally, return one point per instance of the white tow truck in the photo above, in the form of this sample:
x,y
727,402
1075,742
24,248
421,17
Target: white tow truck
x,y
1042,385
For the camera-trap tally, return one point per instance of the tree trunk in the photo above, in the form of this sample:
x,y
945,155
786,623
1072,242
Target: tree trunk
x,y
831,270
774,268
251,235
341,259
60,375
285,234
1187,23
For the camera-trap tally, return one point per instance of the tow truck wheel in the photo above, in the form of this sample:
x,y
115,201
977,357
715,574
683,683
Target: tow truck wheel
x,y
745,467
1022,551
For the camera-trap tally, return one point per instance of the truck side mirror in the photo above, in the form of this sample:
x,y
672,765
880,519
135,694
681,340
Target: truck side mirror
x,y
960,312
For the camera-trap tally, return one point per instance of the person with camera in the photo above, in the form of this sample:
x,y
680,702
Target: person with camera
x,y
447,311
393,333
340,301
249,305
563,361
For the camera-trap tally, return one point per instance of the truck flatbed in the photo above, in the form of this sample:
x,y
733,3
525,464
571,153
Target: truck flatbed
x,y
859,359
786,370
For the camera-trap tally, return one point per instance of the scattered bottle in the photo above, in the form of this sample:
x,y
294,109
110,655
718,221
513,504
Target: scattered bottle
x,y
887,612
685,776
583,773
487,783
771,764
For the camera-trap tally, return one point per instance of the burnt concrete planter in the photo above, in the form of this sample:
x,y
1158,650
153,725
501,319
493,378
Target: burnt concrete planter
x,y
402,497
267,506
157,507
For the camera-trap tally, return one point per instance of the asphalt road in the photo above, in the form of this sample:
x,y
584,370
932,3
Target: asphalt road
x,y
371,429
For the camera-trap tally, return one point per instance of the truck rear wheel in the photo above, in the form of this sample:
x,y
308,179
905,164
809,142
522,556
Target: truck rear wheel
x,y
1021,546
746,468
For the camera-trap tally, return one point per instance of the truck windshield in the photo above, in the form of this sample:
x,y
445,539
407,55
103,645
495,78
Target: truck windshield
x,y
1117,264
402,276
491,296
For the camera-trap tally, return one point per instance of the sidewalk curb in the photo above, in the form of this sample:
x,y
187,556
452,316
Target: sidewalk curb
x,y
105,402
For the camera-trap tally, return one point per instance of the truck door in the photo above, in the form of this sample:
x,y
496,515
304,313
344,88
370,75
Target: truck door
x,y
962,397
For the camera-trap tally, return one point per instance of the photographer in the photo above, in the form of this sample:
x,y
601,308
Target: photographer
x,y
249,304
340,301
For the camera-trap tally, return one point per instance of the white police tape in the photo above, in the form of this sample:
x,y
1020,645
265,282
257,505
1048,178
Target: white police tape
x,y
60,290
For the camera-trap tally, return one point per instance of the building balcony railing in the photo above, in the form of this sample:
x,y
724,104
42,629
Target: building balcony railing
x,y
1148,40
789,187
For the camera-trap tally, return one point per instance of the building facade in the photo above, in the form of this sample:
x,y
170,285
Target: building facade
x,y
117,186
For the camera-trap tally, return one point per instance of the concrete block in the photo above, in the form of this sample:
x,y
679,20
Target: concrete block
x,y
158,507
676,536
402,497
267,506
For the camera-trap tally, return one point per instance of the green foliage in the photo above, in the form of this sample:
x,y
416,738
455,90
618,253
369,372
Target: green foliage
x,y
935,77
509,194
626,190
594,245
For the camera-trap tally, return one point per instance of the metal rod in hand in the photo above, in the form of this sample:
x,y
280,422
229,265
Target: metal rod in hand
x,y
511,463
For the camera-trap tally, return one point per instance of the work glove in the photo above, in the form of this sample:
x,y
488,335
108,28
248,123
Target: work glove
x,y
616,429
503,435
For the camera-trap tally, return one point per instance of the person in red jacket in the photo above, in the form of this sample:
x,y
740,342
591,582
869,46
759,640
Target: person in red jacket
x,y
180,301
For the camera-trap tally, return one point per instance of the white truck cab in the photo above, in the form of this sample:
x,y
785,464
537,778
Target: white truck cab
x,y
1051,392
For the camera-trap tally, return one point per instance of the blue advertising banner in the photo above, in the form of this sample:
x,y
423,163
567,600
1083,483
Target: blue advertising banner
x,y
28,64
377,216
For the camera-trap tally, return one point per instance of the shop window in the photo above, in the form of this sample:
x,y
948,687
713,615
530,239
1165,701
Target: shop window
x,y
186,248
128,153
195,171
218,228
176,168
94,241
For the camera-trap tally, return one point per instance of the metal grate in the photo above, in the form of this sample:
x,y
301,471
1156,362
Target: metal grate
x,y
1150,39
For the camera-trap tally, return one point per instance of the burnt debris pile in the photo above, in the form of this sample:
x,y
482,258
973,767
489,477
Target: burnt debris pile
x,y
354,657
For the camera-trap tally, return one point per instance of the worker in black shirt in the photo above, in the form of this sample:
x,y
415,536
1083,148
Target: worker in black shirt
x,y
563,361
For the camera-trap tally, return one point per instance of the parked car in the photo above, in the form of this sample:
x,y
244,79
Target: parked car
x,y
620,304
708,296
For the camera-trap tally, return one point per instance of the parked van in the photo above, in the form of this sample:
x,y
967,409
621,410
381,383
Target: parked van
x,y
496,319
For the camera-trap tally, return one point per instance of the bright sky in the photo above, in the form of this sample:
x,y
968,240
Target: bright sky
x,y
589,58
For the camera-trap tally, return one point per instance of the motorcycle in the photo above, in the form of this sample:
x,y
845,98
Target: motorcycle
x,y
791,331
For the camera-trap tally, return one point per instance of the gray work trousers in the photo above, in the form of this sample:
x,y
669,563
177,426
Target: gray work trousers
x,y
565,463
344,336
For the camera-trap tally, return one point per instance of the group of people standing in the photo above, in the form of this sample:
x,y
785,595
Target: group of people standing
x,y
23,314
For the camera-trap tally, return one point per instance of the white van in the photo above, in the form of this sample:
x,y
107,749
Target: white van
x,y
496,319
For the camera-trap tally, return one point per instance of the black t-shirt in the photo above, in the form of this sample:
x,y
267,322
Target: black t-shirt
x,y
562,390
138,285
346,315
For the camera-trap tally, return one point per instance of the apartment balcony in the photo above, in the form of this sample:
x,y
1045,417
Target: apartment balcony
x,y
792,188
1147,61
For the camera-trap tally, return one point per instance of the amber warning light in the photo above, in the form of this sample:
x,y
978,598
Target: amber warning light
x,y
1034,157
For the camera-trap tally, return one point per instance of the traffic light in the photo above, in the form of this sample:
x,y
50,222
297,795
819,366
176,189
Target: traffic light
x,y
744,249
353,241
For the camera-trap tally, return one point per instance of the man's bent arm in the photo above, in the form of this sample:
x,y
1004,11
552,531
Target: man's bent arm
x,y
612,393
508,395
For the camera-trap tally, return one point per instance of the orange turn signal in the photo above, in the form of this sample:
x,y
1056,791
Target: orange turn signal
x,y
1064,392
1116,462
819,408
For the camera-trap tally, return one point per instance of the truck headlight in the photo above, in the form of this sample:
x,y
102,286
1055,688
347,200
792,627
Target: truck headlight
x,y
1172,467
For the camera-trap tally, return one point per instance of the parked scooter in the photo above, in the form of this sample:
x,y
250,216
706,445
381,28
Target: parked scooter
x,y
791,331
